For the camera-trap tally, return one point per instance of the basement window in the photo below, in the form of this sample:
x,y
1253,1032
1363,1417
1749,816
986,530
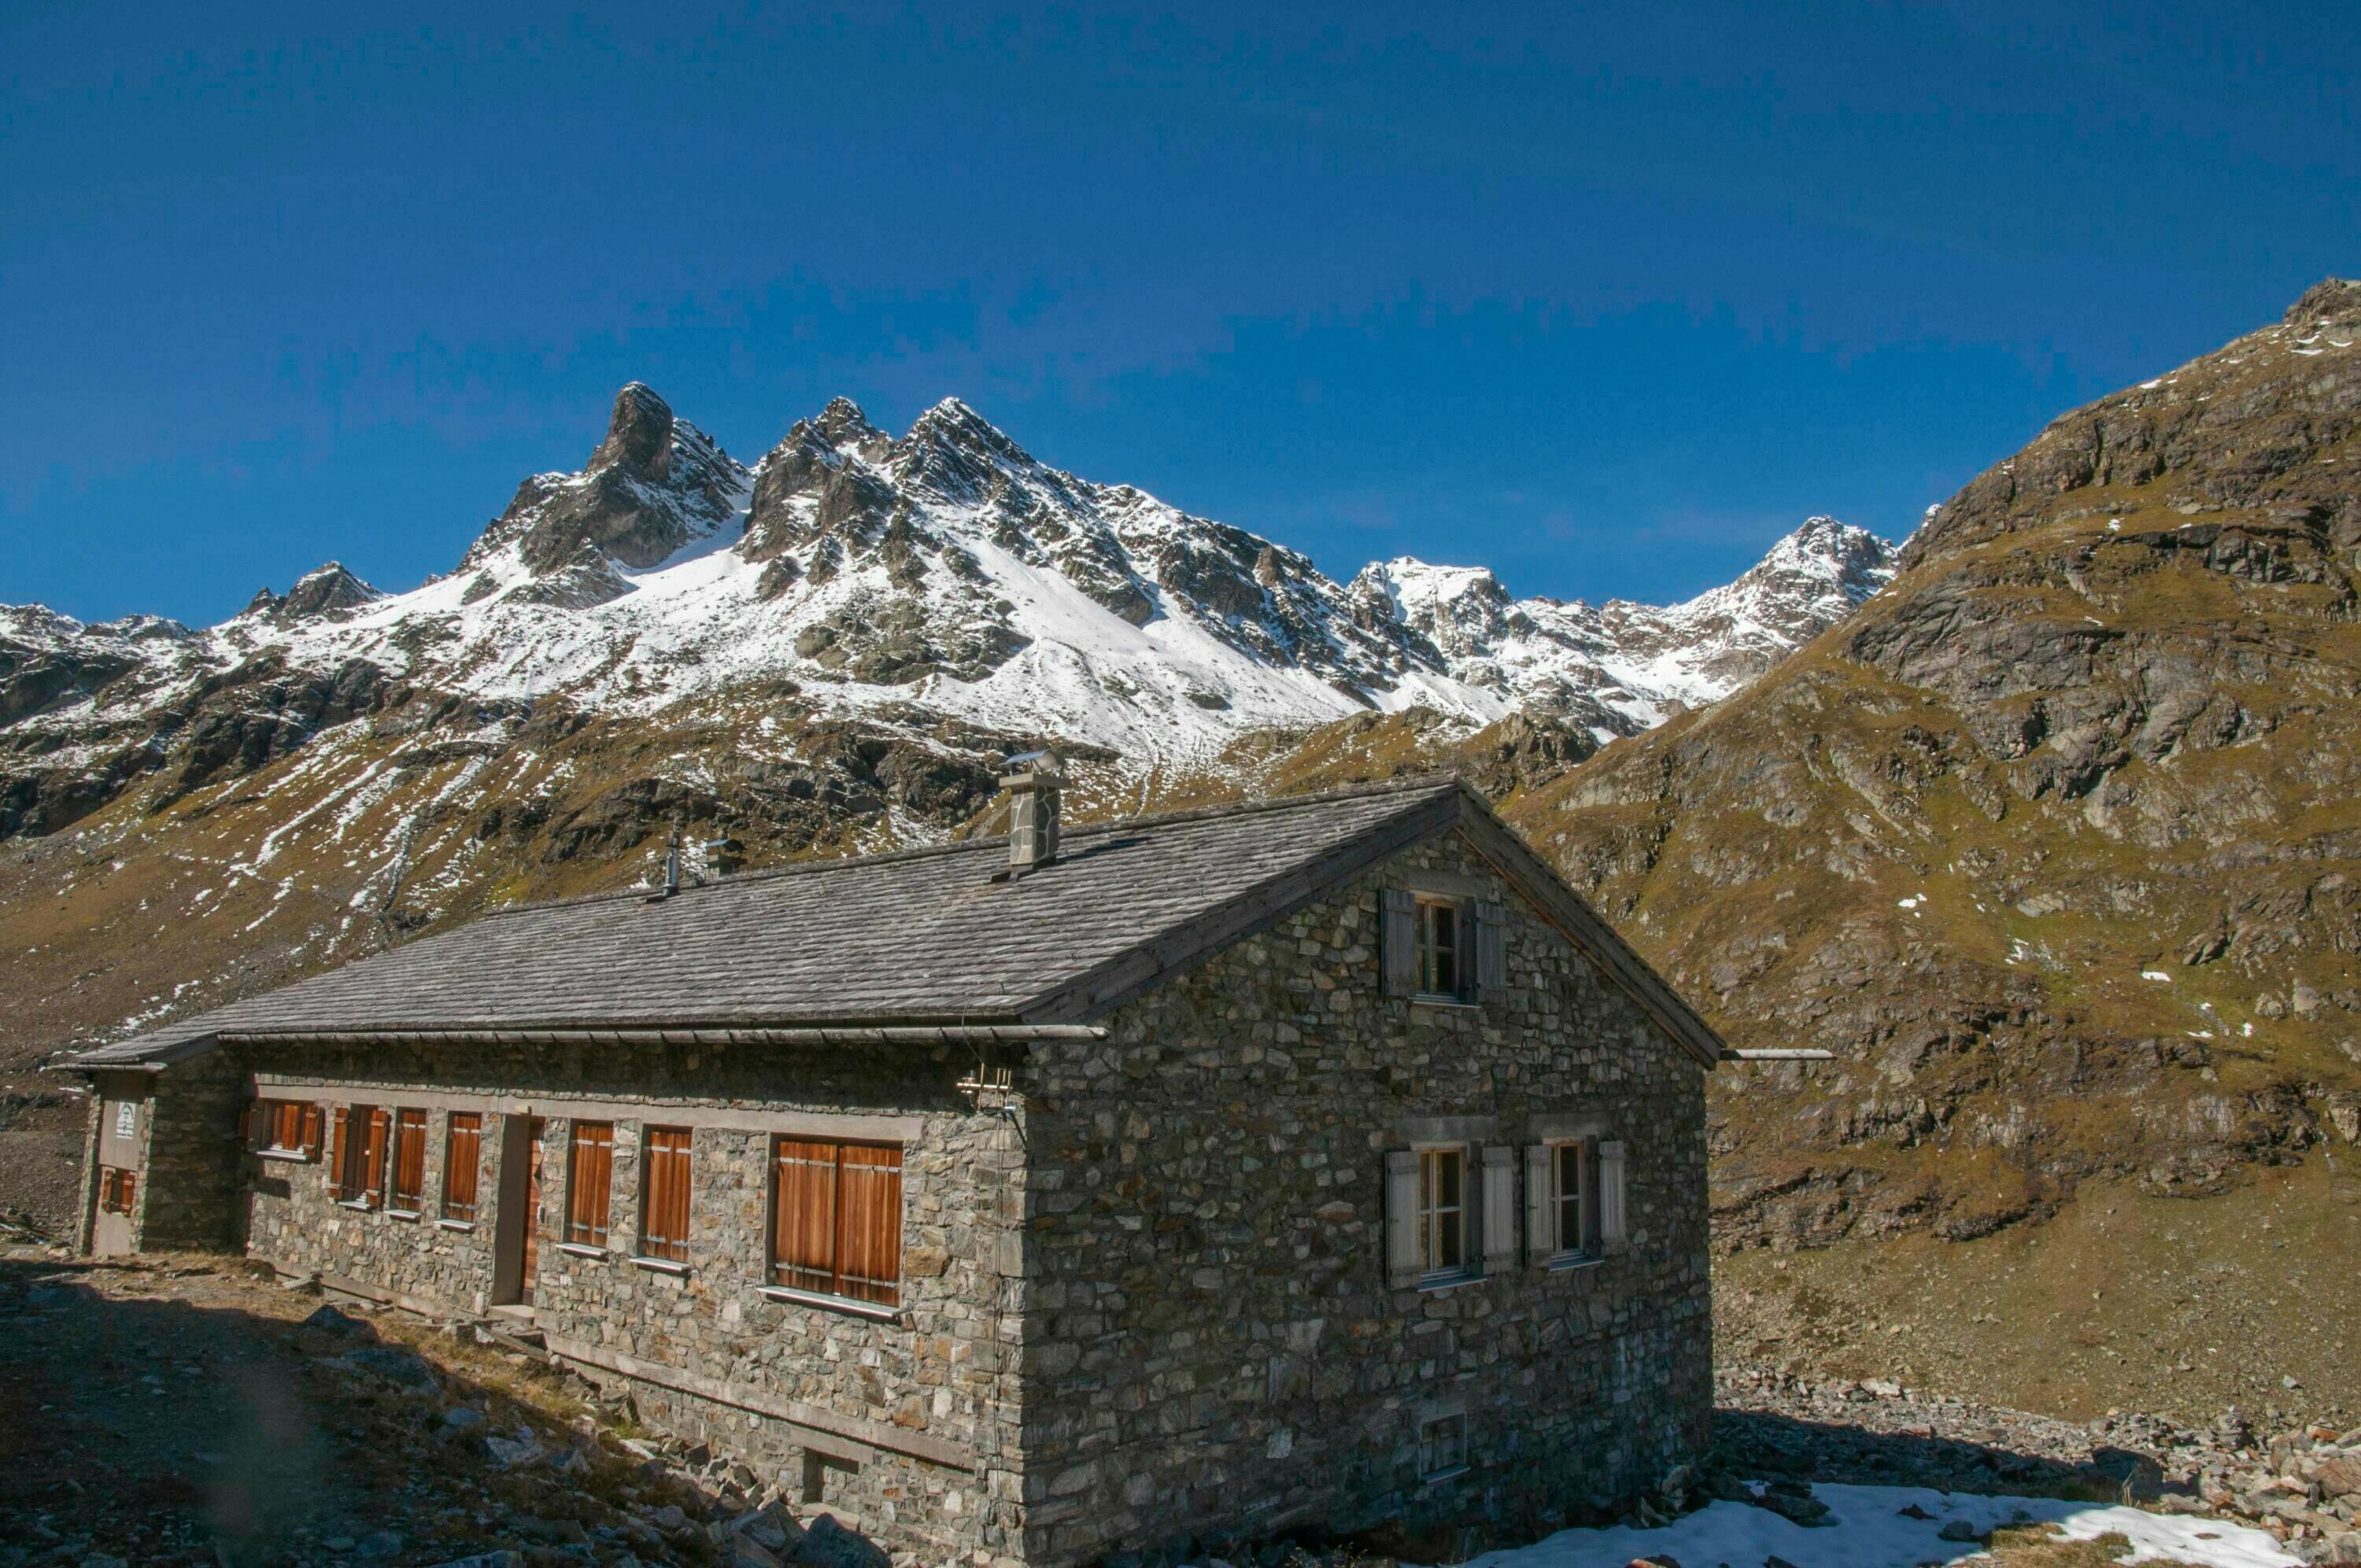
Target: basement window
x,y
1442,1448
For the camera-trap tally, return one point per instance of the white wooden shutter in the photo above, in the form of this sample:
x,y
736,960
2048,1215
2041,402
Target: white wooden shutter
x,y
1499,1215
1396,943
1540,1239
1610,1197
1492,950
1402,1260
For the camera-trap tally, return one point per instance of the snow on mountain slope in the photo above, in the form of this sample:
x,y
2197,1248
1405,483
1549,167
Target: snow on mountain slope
x,y
942,575
1622,667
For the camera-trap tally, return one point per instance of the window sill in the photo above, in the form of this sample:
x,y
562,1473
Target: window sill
x,y
1451,1281
661,1264
456,1224
1569,1260
358,1205
1453,1003
583,1249
412,1216
294,1157
874,1309
1448,1473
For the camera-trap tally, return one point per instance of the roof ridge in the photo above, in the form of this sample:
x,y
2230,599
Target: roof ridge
x,y
1409,784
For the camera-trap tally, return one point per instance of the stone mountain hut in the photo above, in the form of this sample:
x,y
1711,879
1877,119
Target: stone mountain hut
x,y
1031,1200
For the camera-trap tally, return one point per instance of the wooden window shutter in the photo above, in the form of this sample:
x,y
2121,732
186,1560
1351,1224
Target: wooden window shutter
x,y
1540,1236
1492,950
1499,1208
1397,941
340,1158
1611,1235
249,1124
1402,1260
311,1130
380,1123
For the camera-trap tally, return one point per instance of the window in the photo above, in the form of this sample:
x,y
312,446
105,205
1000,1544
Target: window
x,y
462,1157
1438,947
836,1219
359,1158
664,1217
1443,1210
409,1160
1568,1234
286,1127
1442,1447
589,1172
117,1189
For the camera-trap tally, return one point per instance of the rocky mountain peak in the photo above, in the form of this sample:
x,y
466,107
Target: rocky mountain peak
x,y
638,436
654,484
956,452
842,424
2333,302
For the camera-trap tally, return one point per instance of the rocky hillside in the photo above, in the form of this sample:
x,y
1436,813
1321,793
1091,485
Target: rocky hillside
x,y
2056,843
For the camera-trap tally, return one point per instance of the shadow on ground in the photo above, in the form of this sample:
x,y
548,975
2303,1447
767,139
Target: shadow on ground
x,y
181,1411
1761,1445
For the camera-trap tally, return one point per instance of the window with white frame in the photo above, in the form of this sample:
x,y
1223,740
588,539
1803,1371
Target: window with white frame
x,y
1443,1210
1438,947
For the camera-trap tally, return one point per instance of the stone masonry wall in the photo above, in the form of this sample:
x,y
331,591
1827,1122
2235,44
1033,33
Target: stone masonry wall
x,y
190,1164
941,1376
1212,1345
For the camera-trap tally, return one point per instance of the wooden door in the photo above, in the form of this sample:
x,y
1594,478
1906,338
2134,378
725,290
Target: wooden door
x,y
516,1221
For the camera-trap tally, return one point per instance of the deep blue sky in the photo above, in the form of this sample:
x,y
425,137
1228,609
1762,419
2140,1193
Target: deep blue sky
x,y
1606,300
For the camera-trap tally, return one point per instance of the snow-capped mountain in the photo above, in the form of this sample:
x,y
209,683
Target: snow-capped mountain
x,y
1621,667
945,574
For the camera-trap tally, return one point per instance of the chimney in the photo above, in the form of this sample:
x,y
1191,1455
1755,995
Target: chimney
x,y
1033,813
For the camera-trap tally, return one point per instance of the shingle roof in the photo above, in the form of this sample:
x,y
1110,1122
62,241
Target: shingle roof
x,y
927,936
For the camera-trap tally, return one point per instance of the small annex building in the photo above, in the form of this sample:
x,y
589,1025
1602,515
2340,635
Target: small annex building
x,y
1028,1200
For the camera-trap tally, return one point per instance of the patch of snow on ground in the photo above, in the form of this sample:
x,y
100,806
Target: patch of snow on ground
x,y
1868,1531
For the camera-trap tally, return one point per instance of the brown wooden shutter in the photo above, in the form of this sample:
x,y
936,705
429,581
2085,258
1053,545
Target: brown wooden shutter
x,y
462,1157
590,1182
409,1159
1398,940
869,1223
664,1170
1491,964
803,1221
373,1158
340,1153
249,1123
1404,1261
311,1130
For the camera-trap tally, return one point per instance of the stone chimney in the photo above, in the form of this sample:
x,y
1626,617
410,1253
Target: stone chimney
x,y
1033,813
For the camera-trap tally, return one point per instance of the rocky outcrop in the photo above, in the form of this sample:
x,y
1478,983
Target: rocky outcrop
x,y
651,485
2039,841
